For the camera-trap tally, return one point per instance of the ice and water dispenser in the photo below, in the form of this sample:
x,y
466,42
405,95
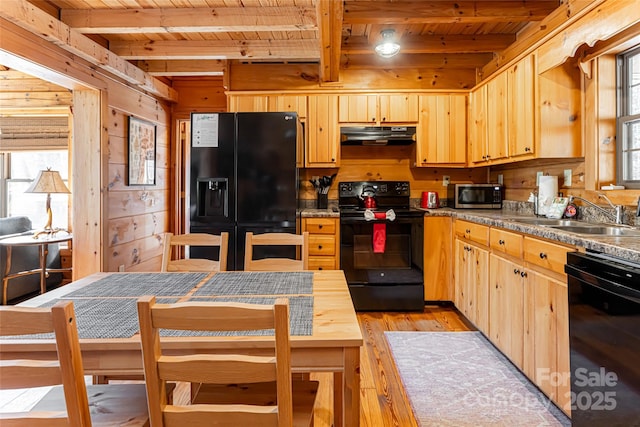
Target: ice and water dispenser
x,y
213,197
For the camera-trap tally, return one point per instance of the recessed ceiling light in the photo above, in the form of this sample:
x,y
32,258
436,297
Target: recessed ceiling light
x,y
388,47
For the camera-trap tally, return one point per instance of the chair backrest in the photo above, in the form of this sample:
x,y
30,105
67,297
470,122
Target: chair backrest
x,y
195,264
67,369
277,264
219,368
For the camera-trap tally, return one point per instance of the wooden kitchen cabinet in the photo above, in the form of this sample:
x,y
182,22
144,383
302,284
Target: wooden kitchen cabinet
x,y
497,119
295,103
324,243
477,142
438,259
373,109
248,103
522,106
472,283
442,130
506,320
323,142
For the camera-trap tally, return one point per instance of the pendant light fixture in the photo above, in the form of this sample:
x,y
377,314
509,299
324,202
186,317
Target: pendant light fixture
x,y
387,47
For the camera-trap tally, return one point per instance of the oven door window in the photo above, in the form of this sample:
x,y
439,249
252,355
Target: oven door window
x,y
403,249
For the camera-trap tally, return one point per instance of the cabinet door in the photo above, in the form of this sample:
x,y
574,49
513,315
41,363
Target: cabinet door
x,y
479,274
506,318
358,109
522,104
478,125
442,129
323,144
427,131
296,103
437,259
497,138
398,108
460,275
548,344
455,150
248,103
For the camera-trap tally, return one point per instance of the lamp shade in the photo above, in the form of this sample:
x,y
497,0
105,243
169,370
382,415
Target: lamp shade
x,y
47,181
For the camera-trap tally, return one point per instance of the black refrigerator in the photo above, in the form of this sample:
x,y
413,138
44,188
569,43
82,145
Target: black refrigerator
x,y
243,177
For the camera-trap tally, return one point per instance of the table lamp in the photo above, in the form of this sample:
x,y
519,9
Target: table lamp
x,y
48,181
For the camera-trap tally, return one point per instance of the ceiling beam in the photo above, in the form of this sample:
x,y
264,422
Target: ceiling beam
x,y
207,67
445,12
190,20
330,25
38,22
436,44
419,60
218,49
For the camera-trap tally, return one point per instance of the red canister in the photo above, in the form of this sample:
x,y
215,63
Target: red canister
x,y
424,203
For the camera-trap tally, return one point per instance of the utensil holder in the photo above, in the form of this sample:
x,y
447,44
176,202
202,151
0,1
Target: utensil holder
x,y
322,201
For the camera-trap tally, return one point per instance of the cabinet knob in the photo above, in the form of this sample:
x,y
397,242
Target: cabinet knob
x,y
319,268
320,227
484,157
373,119
543,255
527,149
467,231
384,119
319,246
488,157
333,160
523,274
516,271
501,242
424,160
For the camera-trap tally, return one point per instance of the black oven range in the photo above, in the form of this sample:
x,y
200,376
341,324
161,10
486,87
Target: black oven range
x,y
381,245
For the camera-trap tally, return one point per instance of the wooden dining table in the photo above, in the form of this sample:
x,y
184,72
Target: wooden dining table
x,y
325,336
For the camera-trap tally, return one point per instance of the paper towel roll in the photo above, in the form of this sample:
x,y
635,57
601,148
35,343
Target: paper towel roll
x,y
547,190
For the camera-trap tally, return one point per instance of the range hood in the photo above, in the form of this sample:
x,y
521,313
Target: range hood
x,y
377,135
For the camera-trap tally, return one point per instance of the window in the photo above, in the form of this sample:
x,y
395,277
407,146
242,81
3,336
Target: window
x,y
628,151
19,168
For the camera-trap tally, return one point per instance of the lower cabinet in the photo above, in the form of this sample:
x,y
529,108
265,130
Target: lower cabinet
x,y
438,260
515,292
324,243
472,283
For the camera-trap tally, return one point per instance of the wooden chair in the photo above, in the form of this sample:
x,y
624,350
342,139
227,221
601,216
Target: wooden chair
x,y
194,264
70,402
276,264
236,388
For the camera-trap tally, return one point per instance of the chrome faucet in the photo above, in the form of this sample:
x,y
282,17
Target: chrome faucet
x,y
618,216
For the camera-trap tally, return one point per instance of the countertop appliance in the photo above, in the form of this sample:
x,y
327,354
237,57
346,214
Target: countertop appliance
x,y
243,177
604,332
381,253
475,196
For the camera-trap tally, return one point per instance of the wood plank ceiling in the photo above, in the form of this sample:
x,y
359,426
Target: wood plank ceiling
x,y
197,37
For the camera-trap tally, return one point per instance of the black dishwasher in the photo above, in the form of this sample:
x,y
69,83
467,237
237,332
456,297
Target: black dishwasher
x,y
604,331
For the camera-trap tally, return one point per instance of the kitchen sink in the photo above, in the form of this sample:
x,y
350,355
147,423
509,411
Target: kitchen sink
x,y
608,230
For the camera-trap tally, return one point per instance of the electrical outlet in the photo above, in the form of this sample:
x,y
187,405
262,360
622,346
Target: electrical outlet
x,y
121,268
567,177
500,179
445,180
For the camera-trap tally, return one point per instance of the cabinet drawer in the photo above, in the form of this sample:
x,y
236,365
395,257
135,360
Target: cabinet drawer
x,y
506,242
322,263
472,232
545,254
320,225
322,245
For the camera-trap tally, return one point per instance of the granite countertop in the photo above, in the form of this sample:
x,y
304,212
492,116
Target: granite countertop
x,y
331,212
623,247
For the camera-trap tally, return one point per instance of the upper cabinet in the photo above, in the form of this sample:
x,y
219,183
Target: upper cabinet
x,y
442,130
497,128
378,109
521,96
323,141
265,103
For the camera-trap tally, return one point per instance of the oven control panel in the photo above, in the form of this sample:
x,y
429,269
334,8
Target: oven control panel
x,y
387,194
377,188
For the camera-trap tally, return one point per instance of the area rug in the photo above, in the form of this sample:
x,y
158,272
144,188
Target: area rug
x,y
459,379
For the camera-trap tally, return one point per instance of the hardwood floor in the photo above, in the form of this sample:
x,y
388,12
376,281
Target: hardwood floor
x,y
383,401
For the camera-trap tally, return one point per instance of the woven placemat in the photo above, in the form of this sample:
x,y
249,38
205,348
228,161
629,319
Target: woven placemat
x,y
300,317
258,283
134,285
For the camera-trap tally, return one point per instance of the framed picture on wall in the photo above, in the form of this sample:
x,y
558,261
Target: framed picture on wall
x,y
142,152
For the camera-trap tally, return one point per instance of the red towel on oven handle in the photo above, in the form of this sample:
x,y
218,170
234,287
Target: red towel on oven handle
x,y
379,234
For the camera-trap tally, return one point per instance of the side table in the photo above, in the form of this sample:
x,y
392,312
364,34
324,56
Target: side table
x,y
43,242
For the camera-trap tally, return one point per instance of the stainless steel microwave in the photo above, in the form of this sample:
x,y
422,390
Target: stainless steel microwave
x,y
474,196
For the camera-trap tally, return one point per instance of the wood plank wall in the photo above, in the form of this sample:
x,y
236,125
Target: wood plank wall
x,y
137,216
